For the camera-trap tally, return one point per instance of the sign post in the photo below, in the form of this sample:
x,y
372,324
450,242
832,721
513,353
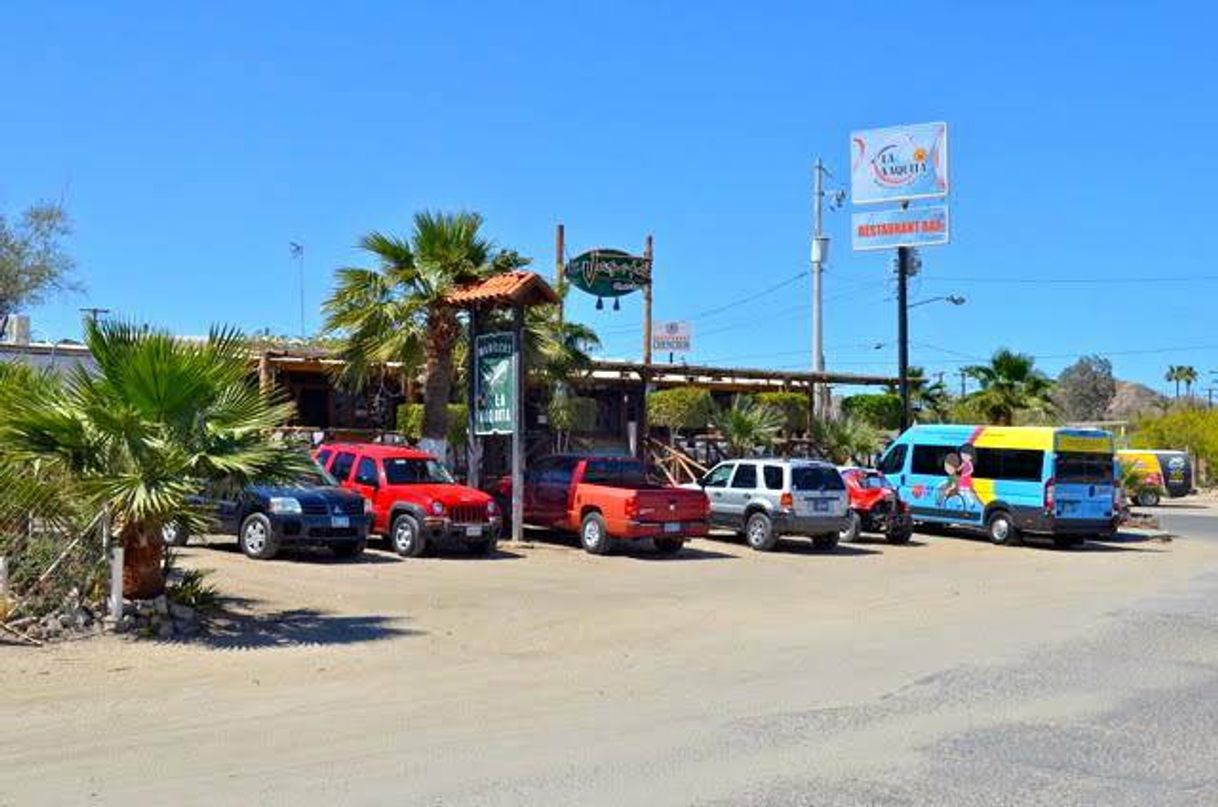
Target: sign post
x,y
900,164
672,337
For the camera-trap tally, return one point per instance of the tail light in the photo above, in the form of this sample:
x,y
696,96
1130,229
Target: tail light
x,y
786,500
632,508
1050,496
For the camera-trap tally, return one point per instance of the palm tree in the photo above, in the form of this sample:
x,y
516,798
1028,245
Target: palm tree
x,y
160,419
1174,373
1188,374
930,397
1010,383
747,425
397,311
846,440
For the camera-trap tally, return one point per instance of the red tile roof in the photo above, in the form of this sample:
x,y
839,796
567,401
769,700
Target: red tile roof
x,y
509,288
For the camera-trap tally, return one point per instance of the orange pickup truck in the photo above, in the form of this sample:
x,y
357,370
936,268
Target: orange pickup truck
x,y
609,498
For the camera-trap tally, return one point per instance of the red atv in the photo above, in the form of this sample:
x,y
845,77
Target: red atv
x,y
875,506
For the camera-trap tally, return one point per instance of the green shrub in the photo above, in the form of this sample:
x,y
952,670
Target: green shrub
x,y
680,408
410,423
794,407
572,413
881,410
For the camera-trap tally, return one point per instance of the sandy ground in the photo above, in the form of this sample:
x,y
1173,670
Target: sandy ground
x,y
547,676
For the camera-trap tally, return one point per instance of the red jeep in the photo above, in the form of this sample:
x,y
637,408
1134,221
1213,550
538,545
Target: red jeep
x,y
415,502
604,499
875,506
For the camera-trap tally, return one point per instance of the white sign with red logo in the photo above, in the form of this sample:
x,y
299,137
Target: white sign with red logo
x,y
672,337
899,163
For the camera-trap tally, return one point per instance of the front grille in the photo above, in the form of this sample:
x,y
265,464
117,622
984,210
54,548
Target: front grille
x,y
333,532
345,508
468,514
882,507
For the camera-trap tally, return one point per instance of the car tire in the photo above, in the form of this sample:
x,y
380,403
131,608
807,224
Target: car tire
x,y
759,532
348,550
257,537
594,535
175,534
1148,498
854,527
668,546
900,535
406,536
1001,529
826,542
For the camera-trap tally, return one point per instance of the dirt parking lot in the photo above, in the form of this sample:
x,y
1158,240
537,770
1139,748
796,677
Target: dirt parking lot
x,y
547,676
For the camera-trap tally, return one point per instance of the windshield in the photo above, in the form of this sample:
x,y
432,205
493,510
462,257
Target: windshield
x,y
403,471
616,473
816,477
873,482
1079,467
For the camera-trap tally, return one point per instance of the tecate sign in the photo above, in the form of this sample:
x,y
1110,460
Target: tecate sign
x,y
672,337
899,163
912,227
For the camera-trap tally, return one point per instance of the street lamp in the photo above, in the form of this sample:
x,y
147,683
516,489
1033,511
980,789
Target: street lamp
x,y
954,299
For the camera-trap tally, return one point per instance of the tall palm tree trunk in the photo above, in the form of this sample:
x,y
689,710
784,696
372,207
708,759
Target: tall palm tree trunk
x,y
143,563
443,330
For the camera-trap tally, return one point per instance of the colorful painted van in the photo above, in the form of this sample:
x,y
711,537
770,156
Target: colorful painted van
x,y
1007,480
1163,473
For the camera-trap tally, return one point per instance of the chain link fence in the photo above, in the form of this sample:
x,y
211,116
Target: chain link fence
x,y
52,550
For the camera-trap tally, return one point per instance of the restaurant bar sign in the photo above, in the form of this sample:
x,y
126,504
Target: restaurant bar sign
x,y
608,272
899,163
494,383
912,227
672,337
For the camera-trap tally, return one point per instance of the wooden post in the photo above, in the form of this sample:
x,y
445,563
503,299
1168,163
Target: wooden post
x,y
264,372
473,455
641,437
3,578
518,428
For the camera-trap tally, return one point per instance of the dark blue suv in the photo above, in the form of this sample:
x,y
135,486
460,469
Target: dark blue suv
x,y
310,511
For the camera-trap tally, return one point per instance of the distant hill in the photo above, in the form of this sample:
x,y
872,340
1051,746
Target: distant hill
x,y
1133,400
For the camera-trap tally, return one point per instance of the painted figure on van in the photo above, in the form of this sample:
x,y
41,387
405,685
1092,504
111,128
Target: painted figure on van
x,y
959,468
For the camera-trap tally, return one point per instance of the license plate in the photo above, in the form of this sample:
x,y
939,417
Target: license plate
x,y
1069,507
340,521
473,532
672,526
820,505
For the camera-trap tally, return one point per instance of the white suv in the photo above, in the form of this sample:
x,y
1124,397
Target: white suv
x,y
768,498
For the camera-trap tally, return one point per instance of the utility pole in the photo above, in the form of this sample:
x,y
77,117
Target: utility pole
x,y
92,314
641,437
560,265
903,331
820,248
963,376
297,251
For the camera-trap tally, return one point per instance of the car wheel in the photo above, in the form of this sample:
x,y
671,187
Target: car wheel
x,y
1002,529
594,534
854,526
175,534
824,543
899,535
406,538
1148,498
257,538
759,532
347,549
668,546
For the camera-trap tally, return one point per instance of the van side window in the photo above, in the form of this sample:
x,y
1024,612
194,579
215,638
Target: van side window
x,y
894,460
746,476
773,477
929,460
1010,464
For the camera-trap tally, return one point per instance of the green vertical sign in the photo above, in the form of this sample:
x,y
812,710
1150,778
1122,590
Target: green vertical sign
x,y
494,383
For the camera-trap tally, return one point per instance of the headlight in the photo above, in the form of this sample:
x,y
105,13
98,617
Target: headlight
x,y
491,508
367,507
284,506
437,508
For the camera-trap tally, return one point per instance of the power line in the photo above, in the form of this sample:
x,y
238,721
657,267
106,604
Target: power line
x,y
1106,281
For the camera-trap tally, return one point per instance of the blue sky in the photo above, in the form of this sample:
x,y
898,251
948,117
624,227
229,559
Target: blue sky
x,y
191,146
